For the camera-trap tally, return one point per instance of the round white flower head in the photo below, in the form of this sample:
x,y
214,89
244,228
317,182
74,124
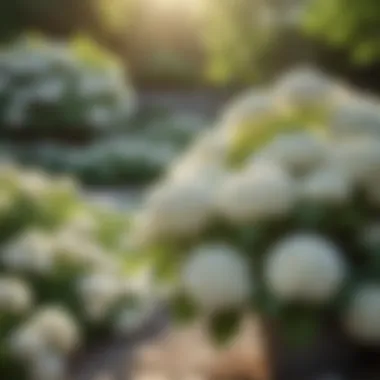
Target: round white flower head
x,y
252,107
130,320
362,317
57,328
32,252
34,184
27,342
217,277
210,146
305,268
357,116
98,292
305,88
263,192
359,158
179,210
197,171
15,296
328,186
299,152
50,90
48,366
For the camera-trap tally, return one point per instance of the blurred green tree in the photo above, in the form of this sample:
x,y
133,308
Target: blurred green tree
x,y
237,37
63,18
348,24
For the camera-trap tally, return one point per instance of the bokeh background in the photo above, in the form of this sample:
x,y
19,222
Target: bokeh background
x,y
98,98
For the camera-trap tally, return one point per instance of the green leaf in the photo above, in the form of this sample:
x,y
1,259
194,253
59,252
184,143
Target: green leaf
x,y
183,310
223,326
300,326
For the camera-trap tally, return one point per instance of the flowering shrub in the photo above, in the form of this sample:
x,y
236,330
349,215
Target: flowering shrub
x,y
289,232
138,156
63,279
49,91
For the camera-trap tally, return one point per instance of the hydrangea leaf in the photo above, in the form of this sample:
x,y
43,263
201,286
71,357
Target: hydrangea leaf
x,y
183,309
224,325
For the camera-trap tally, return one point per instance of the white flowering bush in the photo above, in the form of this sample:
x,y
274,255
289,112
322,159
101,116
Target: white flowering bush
x,y
289,230
49,91
138,156
65,276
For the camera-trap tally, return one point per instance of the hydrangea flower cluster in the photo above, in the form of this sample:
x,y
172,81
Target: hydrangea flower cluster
x,y
46,90
63,281
289,228
138,156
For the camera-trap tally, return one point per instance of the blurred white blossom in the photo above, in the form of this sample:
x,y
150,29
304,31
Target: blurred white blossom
x,y
32,252
306,268
297,152
327,186
356,117
48,366
358,158
251,108
26,342
177,210
217,277
263,192
15,295
362,316
57,327
98,292
305,88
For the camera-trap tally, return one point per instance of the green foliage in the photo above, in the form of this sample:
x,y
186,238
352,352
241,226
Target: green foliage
x,y
71,91
61,18
236,41
53,248
299,174
137,156
347,24
224,325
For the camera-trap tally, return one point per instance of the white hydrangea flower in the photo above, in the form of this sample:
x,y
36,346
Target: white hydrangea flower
x,y
34,184
31,252
305,88
260,193
99,291
217,277
194,171
253,107
48,366
130,320
357,116
297,152
27,342
177,210
57,328
305,268
49,91
362,317
358,158
327,185
72,247
99,116
15,295
92,85
210,146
